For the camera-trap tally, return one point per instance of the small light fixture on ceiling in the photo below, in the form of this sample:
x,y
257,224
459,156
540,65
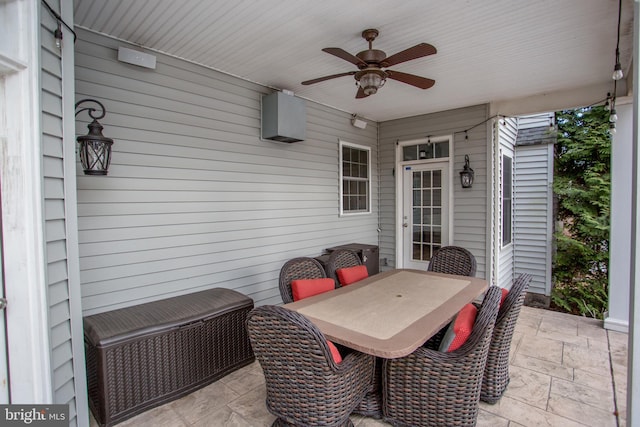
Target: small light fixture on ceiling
x,y
371,81
466,175
95,148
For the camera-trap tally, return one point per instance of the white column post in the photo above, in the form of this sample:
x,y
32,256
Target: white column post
x,y
621,192
633,376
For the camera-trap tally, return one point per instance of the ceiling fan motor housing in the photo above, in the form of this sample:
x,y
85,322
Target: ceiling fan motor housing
x,y
372,57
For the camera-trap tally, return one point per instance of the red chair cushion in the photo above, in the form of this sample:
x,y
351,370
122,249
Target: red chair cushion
x,y
460,329
335,353
504,295
349,275
304,288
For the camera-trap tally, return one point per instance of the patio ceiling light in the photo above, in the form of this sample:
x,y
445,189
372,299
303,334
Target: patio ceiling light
x,y
372,81
95,148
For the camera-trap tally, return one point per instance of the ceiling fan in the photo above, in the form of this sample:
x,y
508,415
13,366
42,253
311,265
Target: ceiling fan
x,y
372,65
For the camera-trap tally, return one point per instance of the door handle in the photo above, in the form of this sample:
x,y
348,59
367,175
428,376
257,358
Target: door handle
x,y
405,225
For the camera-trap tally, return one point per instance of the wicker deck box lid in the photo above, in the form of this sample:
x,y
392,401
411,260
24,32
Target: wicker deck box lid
x,y
105,329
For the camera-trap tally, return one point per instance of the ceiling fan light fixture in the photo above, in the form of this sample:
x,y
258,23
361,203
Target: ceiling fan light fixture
x,y
371,82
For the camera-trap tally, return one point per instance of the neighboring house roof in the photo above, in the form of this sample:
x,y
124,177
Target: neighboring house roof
x,y
536,136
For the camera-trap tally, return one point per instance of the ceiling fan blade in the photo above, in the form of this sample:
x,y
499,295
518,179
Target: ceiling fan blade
x,y
417,51
333,76
361,93
411,79
343,54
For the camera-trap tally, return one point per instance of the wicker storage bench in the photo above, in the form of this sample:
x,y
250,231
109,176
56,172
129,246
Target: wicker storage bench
x,y
143,356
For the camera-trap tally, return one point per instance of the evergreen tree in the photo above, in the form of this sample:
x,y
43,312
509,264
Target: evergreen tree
x,y
582,186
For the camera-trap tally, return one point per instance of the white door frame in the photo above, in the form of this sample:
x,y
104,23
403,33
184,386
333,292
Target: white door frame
x,y
398,171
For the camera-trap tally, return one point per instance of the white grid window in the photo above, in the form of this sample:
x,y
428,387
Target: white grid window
x,y
355,179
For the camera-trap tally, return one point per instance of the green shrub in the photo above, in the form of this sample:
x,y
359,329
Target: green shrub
x,y
582,186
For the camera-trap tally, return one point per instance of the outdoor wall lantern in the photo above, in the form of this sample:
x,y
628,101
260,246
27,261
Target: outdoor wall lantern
x,y
95,148
466,175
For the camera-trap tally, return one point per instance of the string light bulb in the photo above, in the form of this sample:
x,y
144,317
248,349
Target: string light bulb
x,y
607,106
612,128
617,72
57,34
613,117
617,69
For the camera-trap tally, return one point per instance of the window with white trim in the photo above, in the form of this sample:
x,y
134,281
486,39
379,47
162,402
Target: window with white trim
x,y
355,179
507,198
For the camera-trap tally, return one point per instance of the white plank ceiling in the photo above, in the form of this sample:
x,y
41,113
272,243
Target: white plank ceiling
x,y
488,51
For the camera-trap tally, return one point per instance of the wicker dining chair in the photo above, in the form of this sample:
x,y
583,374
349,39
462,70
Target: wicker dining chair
x,y
305,386
341,258
298,268
434,388
496,373
453,260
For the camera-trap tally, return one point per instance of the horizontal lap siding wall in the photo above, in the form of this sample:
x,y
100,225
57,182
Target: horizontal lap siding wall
x,y
507,134
533,214
194,199
69,386
470,205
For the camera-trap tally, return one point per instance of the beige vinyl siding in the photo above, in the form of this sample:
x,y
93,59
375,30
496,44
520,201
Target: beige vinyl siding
x,y
533,214
67,363
507,137
469,205
194,199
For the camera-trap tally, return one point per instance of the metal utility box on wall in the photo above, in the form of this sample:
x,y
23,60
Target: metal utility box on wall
x,y
368,255
284,117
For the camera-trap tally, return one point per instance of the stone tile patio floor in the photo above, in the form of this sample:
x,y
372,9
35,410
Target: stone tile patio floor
x,y
565,371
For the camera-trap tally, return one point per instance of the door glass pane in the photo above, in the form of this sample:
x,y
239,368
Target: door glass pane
x,y
426,216
416,179
437,235
437,179
442,149
426,179
426,197
426,252
416,198
437,216
409,153
437,198
416,251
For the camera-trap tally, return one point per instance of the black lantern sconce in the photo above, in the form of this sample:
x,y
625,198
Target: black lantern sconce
x,y
95,148
466,175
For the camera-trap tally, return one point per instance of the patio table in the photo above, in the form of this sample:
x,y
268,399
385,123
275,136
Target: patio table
x,y
390,314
